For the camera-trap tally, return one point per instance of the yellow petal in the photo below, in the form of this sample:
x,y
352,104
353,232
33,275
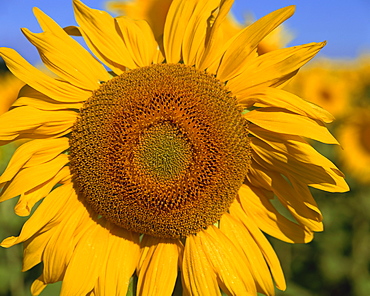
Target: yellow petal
x,y
158,57
123,255
159,268
153,11
139,40
47,215
246,245
65,56
235,58
33,249
213,50
38,286
33,123
44,245
263,244
293,200
34,153
230,266
294,156
31,177
177,20
28,199
195,32
273,97
268,219
88,258
198,276
279,121
273,68
61,246
58,90
99,30
33,98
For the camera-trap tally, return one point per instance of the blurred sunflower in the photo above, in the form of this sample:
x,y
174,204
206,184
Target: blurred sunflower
x,y
329,84
354,133
169,161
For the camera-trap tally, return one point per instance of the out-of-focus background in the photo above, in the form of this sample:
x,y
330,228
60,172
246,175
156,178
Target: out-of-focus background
x,y
337,261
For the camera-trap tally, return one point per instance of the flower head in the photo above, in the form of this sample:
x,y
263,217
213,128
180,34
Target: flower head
x,y
167,162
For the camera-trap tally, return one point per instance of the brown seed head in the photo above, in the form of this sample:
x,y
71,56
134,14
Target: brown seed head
x,y
160,150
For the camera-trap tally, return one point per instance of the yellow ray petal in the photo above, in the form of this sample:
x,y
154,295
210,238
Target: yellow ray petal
x,y
44,245
296,157
123,256
38,286
212,51
88,258
311,163
31,177
273,68
292,200
47,215
177,20
268,252
158,57
159,268
28,199
268,219
230,266
34,153
243,240
33,98
235,58
65,56
33,249
279,121
273,97
198,276
58,90
32,121
100,33
153,11
61,246
139,40
195,31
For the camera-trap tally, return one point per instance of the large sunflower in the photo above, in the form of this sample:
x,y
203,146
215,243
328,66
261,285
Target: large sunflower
x,y
165,167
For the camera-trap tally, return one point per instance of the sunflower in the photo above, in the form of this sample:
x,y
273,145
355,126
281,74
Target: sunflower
x,y
355,133
167,167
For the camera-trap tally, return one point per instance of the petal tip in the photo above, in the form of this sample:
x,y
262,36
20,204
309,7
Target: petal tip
x,y
8,242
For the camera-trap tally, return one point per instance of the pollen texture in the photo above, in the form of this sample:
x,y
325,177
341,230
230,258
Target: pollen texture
x,y
160,150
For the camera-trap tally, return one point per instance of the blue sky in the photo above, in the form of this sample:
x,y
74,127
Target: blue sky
x,y
344,24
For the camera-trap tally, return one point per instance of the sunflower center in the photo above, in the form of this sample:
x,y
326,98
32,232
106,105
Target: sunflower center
x,y
160,150
163,152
